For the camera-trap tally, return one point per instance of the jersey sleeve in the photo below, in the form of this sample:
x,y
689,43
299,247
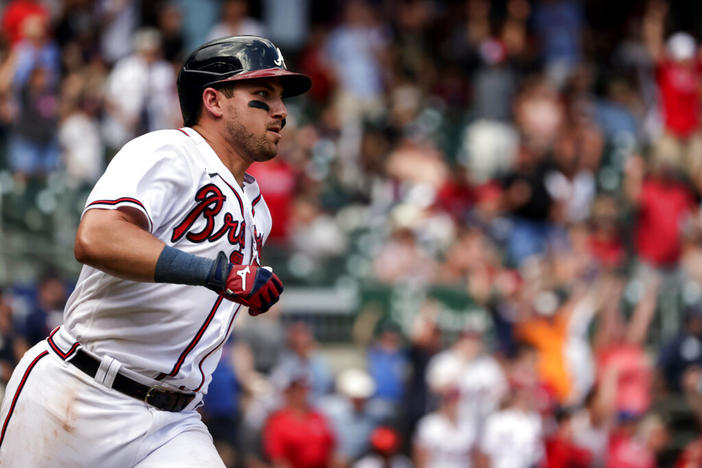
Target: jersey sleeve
x,y
147,177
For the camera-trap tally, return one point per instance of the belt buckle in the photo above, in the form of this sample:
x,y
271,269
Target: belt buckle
x,y
159,388
172,400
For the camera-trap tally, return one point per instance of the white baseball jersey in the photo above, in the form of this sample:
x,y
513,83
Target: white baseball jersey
x,y
448,445
171,332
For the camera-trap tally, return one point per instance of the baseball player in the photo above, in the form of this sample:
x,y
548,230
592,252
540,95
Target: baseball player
x,y
171,240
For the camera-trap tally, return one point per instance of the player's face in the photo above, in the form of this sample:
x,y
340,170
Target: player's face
x,y
254,118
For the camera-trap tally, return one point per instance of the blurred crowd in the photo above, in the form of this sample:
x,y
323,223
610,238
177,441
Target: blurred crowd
x,y
542,156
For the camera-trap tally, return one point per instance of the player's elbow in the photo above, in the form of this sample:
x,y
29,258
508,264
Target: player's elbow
x,y
85,248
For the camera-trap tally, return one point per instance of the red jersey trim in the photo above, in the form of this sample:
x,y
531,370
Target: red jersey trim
x,y
253,204
57,350
221,343
17,393
123,200
236,194
195,340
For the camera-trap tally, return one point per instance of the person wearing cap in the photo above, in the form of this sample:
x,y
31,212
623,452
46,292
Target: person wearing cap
x,y
481,381
385,451
444,438
296,435
171,241
354,413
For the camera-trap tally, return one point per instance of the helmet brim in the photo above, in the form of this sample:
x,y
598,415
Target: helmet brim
x,y
293,83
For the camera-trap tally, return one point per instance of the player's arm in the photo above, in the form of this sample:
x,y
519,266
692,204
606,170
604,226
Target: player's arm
x,y
117,242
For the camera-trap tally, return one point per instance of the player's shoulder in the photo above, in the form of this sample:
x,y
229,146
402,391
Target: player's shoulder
x,y
172,138
159,144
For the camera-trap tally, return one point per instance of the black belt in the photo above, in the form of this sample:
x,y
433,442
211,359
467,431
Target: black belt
x,y
158,397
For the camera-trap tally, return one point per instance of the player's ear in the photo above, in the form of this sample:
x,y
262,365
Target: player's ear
x,y
212,102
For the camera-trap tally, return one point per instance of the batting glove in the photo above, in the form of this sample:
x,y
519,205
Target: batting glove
x,y
256,287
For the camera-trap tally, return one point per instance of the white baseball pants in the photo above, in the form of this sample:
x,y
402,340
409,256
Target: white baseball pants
x,y
54,415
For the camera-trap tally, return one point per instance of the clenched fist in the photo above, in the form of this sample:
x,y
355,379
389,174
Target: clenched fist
x,y
256,287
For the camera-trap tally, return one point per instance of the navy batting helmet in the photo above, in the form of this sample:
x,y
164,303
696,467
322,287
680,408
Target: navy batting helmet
x,y
229,59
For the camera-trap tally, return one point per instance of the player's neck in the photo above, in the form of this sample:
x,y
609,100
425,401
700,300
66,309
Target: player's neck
x,y
236,164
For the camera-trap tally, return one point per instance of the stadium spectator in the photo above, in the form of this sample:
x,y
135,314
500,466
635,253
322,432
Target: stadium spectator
x,y
527,199
33,148
141,93
118,20
605,233
663,204
619,349
559,25
301,356
12,344
545,326
170,24
402,259
385,451
444,438
683,351
278,182
513,436
314,233
636,442
387,364
82,148
561,449
691,456
14,15
678,75
35,49
356,50
424,342
354,414
481,381
46,309
296,435
235,21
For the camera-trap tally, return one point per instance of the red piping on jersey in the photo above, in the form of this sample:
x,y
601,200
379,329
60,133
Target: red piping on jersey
x,y
58,351
226,335
124,200
253,204
241,204
195,340
183,132
17,393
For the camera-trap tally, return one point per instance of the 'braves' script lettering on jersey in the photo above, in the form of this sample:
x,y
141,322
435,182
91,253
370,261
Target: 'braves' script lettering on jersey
x,y
210,202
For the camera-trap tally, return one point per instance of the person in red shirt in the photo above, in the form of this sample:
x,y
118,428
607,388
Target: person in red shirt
x,y
277,185
678,75
636,442
664,203
561,450
14,15
296,435
691,456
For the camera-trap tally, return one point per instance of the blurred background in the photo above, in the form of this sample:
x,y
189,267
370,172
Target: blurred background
x,y
486,215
